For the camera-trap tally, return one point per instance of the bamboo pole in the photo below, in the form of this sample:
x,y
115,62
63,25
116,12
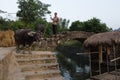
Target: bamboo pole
x,y
115,59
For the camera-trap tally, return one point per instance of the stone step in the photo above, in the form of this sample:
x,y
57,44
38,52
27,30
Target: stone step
x,y
41,74
19,76
36,61
29,56
53,78
39,67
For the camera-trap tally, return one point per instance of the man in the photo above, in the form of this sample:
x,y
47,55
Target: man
x,y
54,23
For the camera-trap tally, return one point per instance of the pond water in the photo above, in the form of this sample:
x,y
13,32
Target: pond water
x,y
73,66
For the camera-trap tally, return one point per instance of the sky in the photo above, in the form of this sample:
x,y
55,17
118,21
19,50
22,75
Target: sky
x,y
105,10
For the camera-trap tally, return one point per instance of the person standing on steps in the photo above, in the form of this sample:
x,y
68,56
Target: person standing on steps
x,y
55,20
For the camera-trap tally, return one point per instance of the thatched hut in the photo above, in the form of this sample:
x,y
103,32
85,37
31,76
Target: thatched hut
x,y
106,47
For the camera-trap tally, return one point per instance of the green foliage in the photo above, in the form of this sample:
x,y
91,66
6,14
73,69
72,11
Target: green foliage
x,y
40,21
31,10
73,43
17,25
5,24
47,26
76,26
63,25
92,25
48,30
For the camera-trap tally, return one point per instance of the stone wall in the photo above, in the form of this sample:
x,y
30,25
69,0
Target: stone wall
x,y
8,64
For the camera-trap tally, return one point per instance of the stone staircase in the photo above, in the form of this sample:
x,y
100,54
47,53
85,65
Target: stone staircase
x,y
39,65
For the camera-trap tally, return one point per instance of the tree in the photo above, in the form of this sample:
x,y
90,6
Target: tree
x,y
5,23
17,25
76,26
31,10
92,25
63,24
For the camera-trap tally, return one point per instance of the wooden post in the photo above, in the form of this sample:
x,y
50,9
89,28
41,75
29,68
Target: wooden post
x,y
90,63
108,50
100,54
114,52
100,58
115,57
108,53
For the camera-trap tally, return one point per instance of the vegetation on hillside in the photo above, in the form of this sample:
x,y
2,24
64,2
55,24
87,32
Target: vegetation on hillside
x,y
33,12
92,25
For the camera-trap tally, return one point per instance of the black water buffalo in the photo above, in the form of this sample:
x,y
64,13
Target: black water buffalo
x,y
25,37
39,28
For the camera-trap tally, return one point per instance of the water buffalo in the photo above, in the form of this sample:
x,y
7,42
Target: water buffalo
x,y
39,28
25,37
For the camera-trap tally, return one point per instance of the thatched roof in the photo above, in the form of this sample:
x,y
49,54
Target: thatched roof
x,y
106,38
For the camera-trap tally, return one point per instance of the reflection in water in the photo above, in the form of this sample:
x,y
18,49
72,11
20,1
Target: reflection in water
x,y
74,67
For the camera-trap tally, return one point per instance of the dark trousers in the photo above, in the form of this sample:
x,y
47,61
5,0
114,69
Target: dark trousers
x,y
54,29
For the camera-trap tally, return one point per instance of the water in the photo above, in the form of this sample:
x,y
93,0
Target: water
x,y
75,67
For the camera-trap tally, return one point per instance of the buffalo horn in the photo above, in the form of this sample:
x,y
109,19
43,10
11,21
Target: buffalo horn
x,y
31,33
